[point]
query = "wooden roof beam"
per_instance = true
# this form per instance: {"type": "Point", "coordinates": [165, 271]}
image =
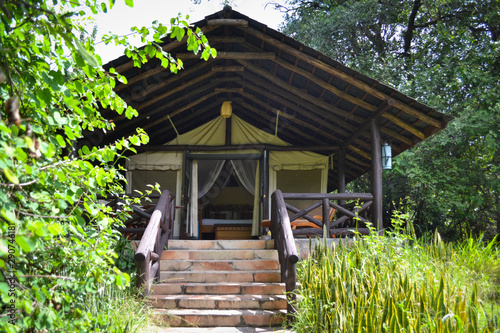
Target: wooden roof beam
{"type": "Point", "coordinates": [278, 94]}
{"type": "Point", "coordinates": [228, 69]}
{"type": "Point", "coordinates": [366, 124]}
{"type": "Point", "coordinates": [158, 70]}
{"type": "Point", "coordinates": [202, 99]}
{"type": "Point", "coordinates": [226, 39]}
{"type": "Point", "coordinates": [239, 147]}
{"type": "Point", "coordinates": [299, 92]}
{"type": "Point", "coordinates": [227, 22]}
{"type": "Point", "coordinates": [346, 77]}
{"type": "Point", "coordinates": [171, 103]}
{"type": "Point", "coordinates": [271, 119]}
{"type": "Point", "coordinates": [232, 55]}
{"type": "Point", "coordinates": [325, 85]}
{"type": "Point", "coordinates": [187, 119]}
{"type": "Point", "coordinates": [293, 119]}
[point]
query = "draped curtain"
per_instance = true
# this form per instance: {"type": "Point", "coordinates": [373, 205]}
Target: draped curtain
{"type": "Point", "coordinates": [208, 174]}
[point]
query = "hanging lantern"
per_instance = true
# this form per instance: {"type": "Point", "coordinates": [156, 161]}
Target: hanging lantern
{"type": "Point", "coordinates": [386, 156]}
{"type": "Point", "coordinates": [226, 109]}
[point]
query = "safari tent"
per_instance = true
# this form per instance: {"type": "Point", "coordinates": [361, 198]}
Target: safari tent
{"type": "Point", "coordinates": [267, 113]}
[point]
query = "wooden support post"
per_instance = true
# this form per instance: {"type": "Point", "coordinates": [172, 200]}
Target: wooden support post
{"type": "Point", "coordinates": [376, 175]}
{"type": "Point", "coordinates": [341, 173]}
{"type": "Point", "coordinates": [265, 187]}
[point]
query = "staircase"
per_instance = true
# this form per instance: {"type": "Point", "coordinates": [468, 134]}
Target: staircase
{"type": "Point", "coordinates": [228, 283]}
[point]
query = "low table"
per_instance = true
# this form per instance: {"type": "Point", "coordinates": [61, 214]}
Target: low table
{"type": "Point", "coordinates": [233, 231]}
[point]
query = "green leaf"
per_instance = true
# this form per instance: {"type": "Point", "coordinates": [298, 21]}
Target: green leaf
{"type": "Point", "coordinates": [55, 229]}
{"type": "Point", "coordinates": [11, 176]}
{"type": "Point", "coordinates": [60, 140]}
{"type": "Point", "coordinates": [86, 55]}
{"type": "Point", "coordinates": [129, 3]}
{"type": "Point", "coordinates": [25, 243]}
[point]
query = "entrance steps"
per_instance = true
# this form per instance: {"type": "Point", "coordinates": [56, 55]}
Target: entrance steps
{"type": "Point", "coordinates": [221, 283]}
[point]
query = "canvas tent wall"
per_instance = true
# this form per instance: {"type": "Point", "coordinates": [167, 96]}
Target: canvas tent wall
{"type": "Point", "coordinates": [299, 170]}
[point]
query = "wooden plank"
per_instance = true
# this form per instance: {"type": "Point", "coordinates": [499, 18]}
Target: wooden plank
{"type": "Point", "coordinates": [228, 68]}
{"type": "Point", "coordinates": [226, 39]}
{"type": "Point", "coordinates": [404, 125]}
{"type": "Point", "coordinates": [228, 22]}
{"type": "Point", "coordinates": [232, 55]}
{"type": "Point", "coordinates": [238, 147]}
{"type": "Point", "coordinates": [229, 90]}
{"type": "Point", "coordinates": [330, 196]}
{"type": "Point", "coordinates": [360, 152]}
{"type": "Point", "coordinates": [344, 76]}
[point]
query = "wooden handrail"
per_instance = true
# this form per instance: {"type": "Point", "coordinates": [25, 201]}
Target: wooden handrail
{"type": "Point", "coordinates": [155, 238]}
{"type": "Point", "coordinates": [325, 200]}
{"type": "Point", "coordinates": [284, 242]}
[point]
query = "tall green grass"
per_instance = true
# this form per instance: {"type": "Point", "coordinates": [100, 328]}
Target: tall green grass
{"type": "Point", "coordinates": [120, 311]}
{"type": "Point", "coordinates": [397, 283]}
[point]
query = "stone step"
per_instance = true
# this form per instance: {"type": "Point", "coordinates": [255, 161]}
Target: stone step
{"type": "Point", "coordinates": [177, 244]}
{"type": "Point", "coordinates": [220, 255]}
{"type": "Point", "coordinates": [214, 302]}
{"type": "Point", "coordinates": [217, 265]}
{"type": "Point", "coordinates": [220, 276]}
{"type": "Point", "coordinates": [218, 288]}
{"type": "Point", "coordinates": [218, 318]}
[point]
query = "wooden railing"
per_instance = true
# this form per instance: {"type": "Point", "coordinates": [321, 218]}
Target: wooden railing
{"type": "Point", "coordinates": [284, 242]}
{"type": "Point", "coordinates": [349, 218]}
{"type": "Point", "coordinates": [154, 239]}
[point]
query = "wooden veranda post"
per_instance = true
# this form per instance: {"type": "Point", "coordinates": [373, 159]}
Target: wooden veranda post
{"type": "Point", "coordinates": [376, 175]}
{"type": "Point", "coordinates": [341, 173]}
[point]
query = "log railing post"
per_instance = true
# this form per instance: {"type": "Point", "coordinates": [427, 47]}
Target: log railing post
{"type": "Point", "coordinates": [155, 237]}
{"type": "Point", "coordinates": [284, 242]}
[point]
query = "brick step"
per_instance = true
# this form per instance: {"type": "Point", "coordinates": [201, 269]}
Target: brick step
{"type": "Point", "coordinates": [220, 276]}
{"type": "Point", "coordinates": [218, 288]}
{"type": "Point", "coordinates": [217, 265]}
{"type": "Point", "coordinates": [214, 302]}
{"type": "Point", "coordinates": [220, 255]}
{"type": "Point", "coordinates": [177, 244]}
{"type": "Point", "coordinates": [218, 318]}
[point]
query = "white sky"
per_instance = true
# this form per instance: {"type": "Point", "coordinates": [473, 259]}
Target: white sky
{"type": "Point", "coordinates": [121, 18]}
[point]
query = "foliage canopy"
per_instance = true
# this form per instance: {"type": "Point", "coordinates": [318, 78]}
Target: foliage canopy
{"type": "Point", "coordinates": [444, 53]}
{"type": "Point", "coordinates": [57, 240]}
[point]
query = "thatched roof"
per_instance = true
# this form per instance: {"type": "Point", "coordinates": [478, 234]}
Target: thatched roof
{"type": "Point", "coordinates": [320, 102]}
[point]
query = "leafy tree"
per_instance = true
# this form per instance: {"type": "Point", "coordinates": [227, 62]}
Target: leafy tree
{"type": "Point", "coordinates": [57, 240]}
{"type": "Point", "coordinates": [445, 53]}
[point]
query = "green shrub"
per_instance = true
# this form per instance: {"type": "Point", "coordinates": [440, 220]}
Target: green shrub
{"type": "Point", "coordinates": [397, 283]}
